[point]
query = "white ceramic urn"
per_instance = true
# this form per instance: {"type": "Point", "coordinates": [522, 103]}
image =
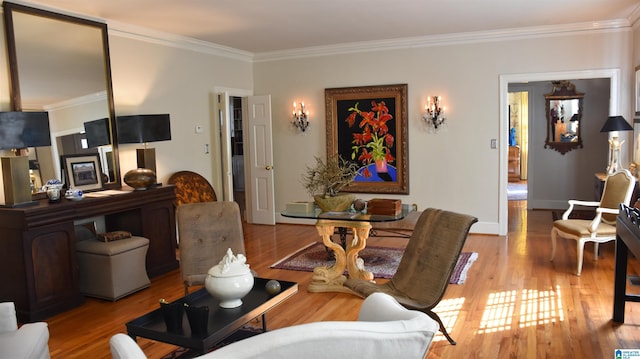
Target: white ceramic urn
{"type": "Point", "coordinates": [230, 280]}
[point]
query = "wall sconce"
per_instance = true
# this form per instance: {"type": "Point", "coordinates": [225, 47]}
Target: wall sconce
{"type": "Point", "coordinates": [434, 115]}
{"type": "Point", "coordinates": [300, 118]}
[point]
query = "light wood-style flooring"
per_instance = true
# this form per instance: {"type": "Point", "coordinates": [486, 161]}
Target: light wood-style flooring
{"type": "Point", "coordinates": [514, 304]}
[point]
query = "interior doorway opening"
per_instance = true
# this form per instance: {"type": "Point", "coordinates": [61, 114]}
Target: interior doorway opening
{"type": "Point", "coordinates": [237, 151]}
{"type": "Point", "coordinates": [517, 165]}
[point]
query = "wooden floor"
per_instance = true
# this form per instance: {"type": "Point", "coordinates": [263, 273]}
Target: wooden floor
{"type": "Point", "coordinates": [515, 303]}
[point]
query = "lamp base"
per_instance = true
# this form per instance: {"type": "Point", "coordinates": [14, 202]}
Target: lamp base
{"type": "Point", "coordinates": [146, 158]}
{"type": "Point", "coordinates": [17, 185]}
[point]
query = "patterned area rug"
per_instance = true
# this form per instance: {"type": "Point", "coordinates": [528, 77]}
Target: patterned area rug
{"type": "Point", "coordinates": [380, 261]}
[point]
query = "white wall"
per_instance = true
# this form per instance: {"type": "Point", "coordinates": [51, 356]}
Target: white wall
{"type": "Point", "coordinates": [455, 170]}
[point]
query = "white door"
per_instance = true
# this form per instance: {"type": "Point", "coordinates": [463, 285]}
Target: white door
{"type": "Point", "coordinates": [256, 113]}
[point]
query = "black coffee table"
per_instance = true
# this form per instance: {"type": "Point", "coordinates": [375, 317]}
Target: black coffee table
{"type": "Point", "coordinates": [222, 322]}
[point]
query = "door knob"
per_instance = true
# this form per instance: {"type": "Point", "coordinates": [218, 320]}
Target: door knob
{"type": "Point", "coordinates": [268, 168]}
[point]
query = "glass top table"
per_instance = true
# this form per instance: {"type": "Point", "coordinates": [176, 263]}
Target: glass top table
{"type": "Point", "coordinates": [353, 216]}
{"type": "Point", "coordinates": [330, 278]}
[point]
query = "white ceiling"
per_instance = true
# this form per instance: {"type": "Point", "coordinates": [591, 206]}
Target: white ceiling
{"type": "Point", "coordinates": [260, 26]}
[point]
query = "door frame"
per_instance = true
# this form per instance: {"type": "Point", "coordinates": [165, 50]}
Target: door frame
{"type": "Point", "coordinates": [225, 153]}
{"type": "Point", "coordinates": [615, 108]}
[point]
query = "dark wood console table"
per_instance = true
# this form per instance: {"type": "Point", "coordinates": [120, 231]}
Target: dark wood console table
{"type": "Point", "coordinates": [627, 239]}
{"type": "Point", "coordinates": [38, 265]}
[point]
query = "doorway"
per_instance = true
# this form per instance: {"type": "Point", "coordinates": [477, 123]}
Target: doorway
{"type": "Point", "coordinates": [517, 166]}
{"type": "Point", "coordinates": [237, 152]}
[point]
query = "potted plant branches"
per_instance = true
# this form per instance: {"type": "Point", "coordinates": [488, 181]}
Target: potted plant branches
{"type": "Point", "coordinates": [325, 180]}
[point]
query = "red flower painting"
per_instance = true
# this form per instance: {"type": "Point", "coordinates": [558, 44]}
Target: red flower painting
{"type": "Point", "coordinates": [373, 142]}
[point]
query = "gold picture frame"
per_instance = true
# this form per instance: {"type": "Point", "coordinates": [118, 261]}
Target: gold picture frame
{"type": "Point", "coordinates": [368, 126]}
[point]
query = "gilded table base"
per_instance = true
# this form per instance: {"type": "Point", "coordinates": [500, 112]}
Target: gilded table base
{"type": "Point", "coordinates": [331, 278]}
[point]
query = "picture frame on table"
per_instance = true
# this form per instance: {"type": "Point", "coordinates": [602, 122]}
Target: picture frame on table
{"type": "Point", "coordinates": [368, 125]}
{"type": "Point", "coordinates": [82, 172]}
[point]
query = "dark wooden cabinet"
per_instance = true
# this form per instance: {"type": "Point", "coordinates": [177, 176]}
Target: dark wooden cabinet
{"type": "Point", "coordinates": [38, 265]}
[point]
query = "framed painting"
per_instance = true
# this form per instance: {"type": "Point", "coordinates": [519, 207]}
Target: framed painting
{"type": "Point", "coordinates": [368, 126]}
{"type": "Point", "coordinates": [82, 172]}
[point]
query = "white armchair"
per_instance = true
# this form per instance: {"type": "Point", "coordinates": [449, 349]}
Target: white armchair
{"type": "Point", "coordinates": [30, 341]}
{"type": "Point", "coordinates": [385, 329]}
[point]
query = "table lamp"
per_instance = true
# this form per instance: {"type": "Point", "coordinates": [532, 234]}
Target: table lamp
{"type": "Point", "coordinates": [19, 131]}
{"type": "Point", "coordinates": [144, 129]}
{"type": "Point", "coordinates": [613, 125]}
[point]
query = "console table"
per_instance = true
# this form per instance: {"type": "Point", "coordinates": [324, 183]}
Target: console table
{"type": "Point", "coordinates": [38, 264]}
{"type": "Point", "coordinates": [627, 239]}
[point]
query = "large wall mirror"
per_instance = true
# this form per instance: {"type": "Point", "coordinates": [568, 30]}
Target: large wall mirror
{"type": "Point", "coordinates": [60, 64]}
{"type": "Point", "coordinates": [563, 108]}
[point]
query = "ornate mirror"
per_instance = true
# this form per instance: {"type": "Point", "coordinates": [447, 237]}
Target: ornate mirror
{"type": "Point", "coordinates": [563, 108]}
{"type": "Point", "coordinates": [60, 64]}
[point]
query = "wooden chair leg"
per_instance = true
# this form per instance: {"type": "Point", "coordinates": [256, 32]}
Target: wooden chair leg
{"type": "Point", "coordinates": [435, 317]}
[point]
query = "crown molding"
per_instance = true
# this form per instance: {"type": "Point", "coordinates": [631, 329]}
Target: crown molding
{"type": "Point", "coordinates": [166, 39]}
{"type": "Point", "coordinates": [82, 100]}
{"type": "Point", "coordinates": [447, 39]}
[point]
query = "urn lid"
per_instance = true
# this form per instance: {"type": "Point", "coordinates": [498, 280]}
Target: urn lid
{"type": "Point", "coordinates": [230, 266]}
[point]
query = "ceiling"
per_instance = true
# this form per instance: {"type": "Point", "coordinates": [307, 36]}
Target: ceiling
{"type": "Point", "coordinates": [279, 25]}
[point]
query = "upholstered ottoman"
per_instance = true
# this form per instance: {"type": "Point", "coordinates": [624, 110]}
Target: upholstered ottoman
{"type": "Point", "coordinates": [111, 270]}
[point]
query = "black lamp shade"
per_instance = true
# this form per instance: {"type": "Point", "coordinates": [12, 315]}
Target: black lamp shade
{"type": "Point", "coordinates": [143, 128]}
{"type": "Point", "coordinates": [616, 123]}
{"type": "Point", "coordinates": [24, 129]}
{"type": "Point", "coordinates": [97, 132]}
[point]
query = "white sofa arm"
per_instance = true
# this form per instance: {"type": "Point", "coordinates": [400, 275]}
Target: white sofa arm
{"type": "Point", "coordinates": [8, 321]}
{"type": "Point", "coordinates": [123, 347]}
{"type": "Point", "coordinates": [384, 330]}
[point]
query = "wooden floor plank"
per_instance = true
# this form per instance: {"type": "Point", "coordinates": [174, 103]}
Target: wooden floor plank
{"type": "Point", "coordinates": [514, 304]}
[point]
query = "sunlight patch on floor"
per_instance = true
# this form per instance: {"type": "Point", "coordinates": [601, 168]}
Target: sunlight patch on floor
{"type": "Point", "coordinates": [540, 307]}
{"type": "Point", "coordinates": [498, 314]}
{"type": "Point", "coordinates": [536, 307]}
{"type": "Point", "coordinates": [448, 311]}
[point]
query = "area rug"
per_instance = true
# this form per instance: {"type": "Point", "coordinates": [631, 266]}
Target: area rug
{"type": "Point", "coordinates": [516, 191]}
{"type": "Point", "coordinates": [380, 261]}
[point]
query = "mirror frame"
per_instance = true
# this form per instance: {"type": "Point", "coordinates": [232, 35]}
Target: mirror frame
{"type": "Point", "coordinates": [16, 99]}
{"type": "Point", "coordinates": [563, 90]}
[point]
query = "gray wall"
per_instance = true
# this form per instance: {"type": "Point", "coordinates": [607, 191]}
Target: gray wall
{"type": "Point", "coordinates": [553, 177]}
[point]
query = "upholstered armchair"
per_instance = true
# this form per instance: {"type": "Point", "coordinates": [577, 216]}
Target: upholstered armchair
{"type": "Point", "coordinates": [30, 341]}
{"type": "Point", "coordinates": [385, 329]}
{"type": "Point", "coordinates": [206, 230]}
{"type": "Point", "coordinates": [618, 189]}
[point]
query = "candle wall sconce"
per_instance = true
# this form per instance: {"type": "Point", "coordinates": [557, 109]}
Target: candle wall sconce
{"type": "Point", "coordinates": [300, 117]}
{"type": "Point", "coordinates": [434, 115]}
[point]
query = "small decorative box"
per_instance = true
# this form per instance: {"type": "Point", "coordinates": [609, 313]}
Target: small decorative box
{"type": "Point", "coordinates": [300, 207]}
{"type": "Point", "coordinates": [387, 207]}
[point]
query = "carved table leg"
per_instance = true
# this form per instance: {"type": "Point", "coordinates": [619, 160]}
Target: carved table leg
{"type": "Point", "coordinates": [355, 264]}
{"type": "Point", "coordinates": [325, 278]}
{"type": "Point", "coordinates": [331, 279]}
